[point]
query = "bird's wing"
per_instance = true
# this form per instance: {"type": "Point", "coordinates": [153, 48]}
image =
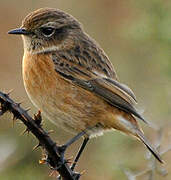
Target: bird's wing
{"type": "Point", "coordinates": [88, 56]}
{"type": "Point", "coordinates": [113, 92]}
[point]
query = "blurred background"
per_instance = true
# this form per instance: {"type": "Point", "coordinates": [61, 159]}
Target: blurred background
{"type": "Point", "coordinates": [136, 35]}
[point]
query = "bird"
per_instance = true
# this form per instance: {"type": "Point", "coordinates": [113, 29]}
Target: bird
{"type": "Point", "coordinates": [70, 78]}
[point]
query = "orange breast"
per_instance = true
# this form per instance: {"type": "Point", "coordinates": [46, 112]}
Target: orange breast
{"type": "Point", "coordinates": [65, 104]}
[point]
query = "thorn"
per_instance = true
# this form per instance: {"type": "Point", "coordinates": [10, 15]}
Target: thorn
{"type": "Point", "coordinates": [38, 118]}
{"type": "Point", "coordinates": [25, 131]}
{"type": "Point", "coordinates": [19, 103]}
{"type": "Point", "coordinates": [28, 109]}
{"type": "Point", "coordinates": [37, 146]}
{"type": "Point", "coordinates": [42, 161]}
{"type": "Point", "coordinates": [82, 172]}
{"type": "Point", "coordinates": [20, 122]}
{"type": "Point", "coordinates": [54, 174]}
{"type": "Point", "coordinates": [9, 92]}
{"type": "Point", "coordinates": [14, 119]}
{"type": "Point", "coordinates": [50, 132]}
{"type": "Point", "coordinates": [15, 116]}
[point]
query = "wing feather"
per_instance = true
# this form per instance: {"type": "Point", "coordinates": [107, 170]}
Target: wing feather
{"type": "Point", "coordinates": [110, 90]}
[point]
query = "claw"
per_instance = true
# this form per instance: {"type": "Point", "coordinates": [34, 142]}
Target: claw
{"type": "Point", "coordinates": [76, 176]}
{"type": "Point", "coordinates": [61, 150]}
{"type": "Point", "coordinates": [69, 160]}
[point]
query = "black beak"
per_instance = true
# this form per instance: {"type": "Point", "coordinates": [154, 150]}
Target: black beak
{"type": "Point", "coordinates": [19, 31]}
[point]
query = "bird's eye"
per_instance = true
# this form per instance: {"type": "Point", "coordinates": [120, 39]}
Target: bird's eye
{"type": "Point", "coordinates": [47, 32]}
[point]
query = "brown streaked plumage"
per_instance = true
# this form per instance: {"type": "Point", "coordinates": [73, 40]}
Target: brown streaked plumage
{"type": "Point", "coordinates": [70, 78]}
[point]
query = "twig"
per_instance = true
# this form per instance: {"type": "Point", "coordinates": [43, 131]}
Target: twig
{"type": "Point", "coordinates": [34, 126]}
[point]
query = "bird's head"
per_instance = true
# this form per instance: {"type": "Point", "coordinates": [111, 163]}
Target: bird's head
{"type": "Point", "coordinates": [48, 29]}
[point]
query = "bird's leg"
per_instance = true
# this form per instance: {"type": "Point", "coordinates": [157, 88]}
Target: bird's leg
{"type": "Point", "coordinates": [63, 148]}
{"type": "Point", "coordinates": [79, 153]}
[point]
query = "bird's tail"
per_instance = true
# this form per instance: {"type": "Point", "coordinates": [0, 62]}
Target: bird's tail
{"type": "Point", "coordinates": [128, 124]}
{"type": "Point", "coordinates": [149, 146]}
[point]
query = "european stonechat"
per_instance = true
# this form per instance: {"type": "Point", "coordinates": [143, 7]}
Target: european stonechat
{"type": "Point", "coordinates": [70, 78]}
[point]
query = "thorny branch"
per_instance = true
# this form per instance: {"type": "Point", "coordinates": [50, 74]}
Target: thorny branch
{"type": "Point", "coordinates": [152, 166]}
{"type": "Point", "coordinates": [33, 125]}
{"type": "Point", "coordinates": [53, 158]}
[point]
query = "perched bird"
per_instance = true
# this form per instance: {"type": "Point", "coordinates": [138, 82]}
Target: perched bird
{"type": "Point", "coordinates": [70, 78]}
